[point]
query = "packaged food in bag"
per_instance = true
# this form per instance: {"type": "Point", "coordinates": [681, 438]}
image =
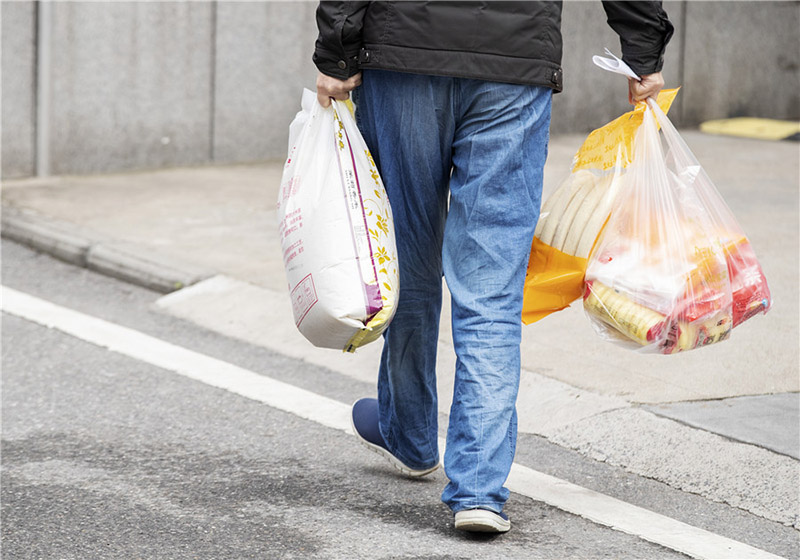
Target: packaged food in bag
{"type": "Point", "coordinates": [336, 231]}
{"type": "Point", "coordinates": [749, 287]}
{"type": "Point", "coordinates": [671, 270]}
{"type": "Point", "coordinates": [574, 214]}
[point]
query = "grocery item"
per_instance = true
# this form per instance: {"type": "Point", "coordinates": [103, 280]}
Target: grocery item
{"type": "Point", "coordinates": [671, 270]}
{"type": "Point", "coordinates": [588, 208]}
{"type": "Point", "coordinates": [751, 294]}
{"type": "Point", "coordinates": [565, 222]}
{"type": "Point", "coordinates": [597, 215]}
{"type": "Point", "coordinates": [631, 319]}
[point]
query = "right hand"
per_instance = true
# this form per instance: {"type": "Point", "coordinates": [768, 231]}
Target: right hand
{"type": "Point", "coordinates": [649, 86]}
{"type": "Point", "coordinates": [328, 86]}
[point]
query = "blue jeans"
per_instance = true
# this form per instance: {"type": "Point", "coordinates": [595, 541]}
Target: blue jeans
{"type": "Point", "coordinates": [484, 144]}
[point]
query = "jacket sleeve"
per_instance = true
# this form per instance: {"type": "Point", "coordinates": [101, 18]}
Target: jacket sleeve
{"type": "Point", "coordinates": [340, 27]}
{"type": "Point", "coordinates": [644, 31]}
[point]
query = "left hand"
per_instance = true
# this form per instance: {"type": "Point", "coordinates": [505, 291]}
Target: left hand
{"type": "Point", "coordinates": [650, 85]}
{"type": "Point", "coordinates": [328, 86]}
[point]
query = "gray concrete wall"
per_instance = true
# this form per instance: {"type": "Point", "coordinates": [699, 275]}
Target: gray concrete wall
{"type": "Point", "coordinates": [263, 60]}
{"type": "Point", "coordinates": [18, 28]}
{"type": "Point", "coordinates": [730, 58]}
{"type": "Point", "coordinates": [592, 97]}
{"type": "Point", "coordinates": [130, 85]}
{"type": "Point", "coordinates": [741, 59]}
{"type": "Point", "coordinates": [157, 84]}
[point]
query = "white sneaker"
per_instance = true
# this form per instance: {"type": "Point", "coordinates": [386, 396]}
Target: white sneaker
{"type": "Point", "coordinates": [482, 521]}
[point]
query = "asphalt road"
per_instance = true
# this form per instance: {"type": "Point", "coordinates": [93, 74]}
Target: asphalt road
{"type": "Point", "coordinates": [105, 456]}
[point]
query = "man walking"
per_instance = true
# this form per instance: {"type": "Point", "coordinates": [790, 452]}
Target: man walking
{"type": "Point", "coordinates": [453, 100]}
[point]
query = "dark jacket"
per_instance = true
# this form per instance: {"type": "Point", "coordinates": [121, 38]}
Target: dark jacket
{"type": "Point", "coordinates": [517, 42]}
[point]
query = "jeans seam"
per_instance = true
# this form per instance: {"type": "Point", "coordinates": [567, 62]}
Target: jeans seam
{"type": "Point", "coordinates": [432, 449]}
{"type": "Point", "coordinates": [480, 455]}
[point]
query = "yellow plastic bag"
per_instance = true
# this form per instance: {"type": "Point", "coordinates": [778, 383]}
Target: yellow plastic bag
{"type": "Point", "coordinates": [574, 215]}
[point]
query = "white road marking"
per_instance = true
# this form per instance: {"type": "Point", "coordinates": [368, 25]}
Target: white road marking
{"type": "Point", "coordinates": [188, 363]}
{"type": "Point", "coordinates": [561, 494]}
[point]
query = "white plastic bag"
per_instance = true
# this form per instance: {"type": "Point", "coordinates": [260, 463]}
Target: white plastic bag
{"type": "Point", "coordinates": [336, 231]}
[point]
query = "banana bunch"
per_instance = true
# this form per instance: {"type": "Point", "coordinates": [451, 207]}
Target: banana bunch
{"type": "Point", "coordinates": [572, 217]}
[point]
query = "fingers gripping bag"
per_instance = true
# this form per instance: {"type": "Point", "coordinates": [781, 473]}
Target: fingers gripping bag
{"type": "Point", "coordinates": [336, 231]}
{"type": "Point", "coordinates": [574, 214]}
{"type": "Point", "coordinates": [671, 270]}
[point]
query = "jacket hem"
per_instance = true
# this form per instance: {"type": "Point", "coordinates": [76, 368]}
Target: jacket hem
{"type": "Point", "coordinates": [479, 66]}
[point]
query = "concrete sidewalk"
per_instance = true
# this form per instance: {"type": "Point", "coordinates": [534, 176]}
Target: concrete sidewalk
{"type": "Point", "coordinates": [210, 234]}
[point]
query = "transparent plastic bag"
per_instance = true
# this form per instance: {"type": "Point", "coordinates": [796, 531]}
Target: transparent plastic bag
{"type": "Point", "coordinates": [574, 214]}
{"type": "Point", "coordinates": [749, 287]}
{"type": "Point", "coordinates": [672, 270]}
{"type": "Point", "coordinates": [336, 230]}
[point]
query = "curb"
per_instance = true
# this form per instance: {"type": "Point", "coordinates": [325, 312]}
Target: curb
{"type": "Point", "coordinates": [83, 247]}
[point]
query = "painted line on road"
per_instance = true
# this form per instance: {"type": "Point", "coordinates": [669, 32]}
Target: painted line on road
{"type": "Point", "coordinates": [594, 506]}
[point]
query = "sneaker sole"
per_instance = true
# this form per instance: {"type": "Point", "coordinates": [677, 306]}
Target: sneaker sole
{"type": "Point", "coordinates": [396, 463]}
{"type": "Point", "coordinates": [481, 521]}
